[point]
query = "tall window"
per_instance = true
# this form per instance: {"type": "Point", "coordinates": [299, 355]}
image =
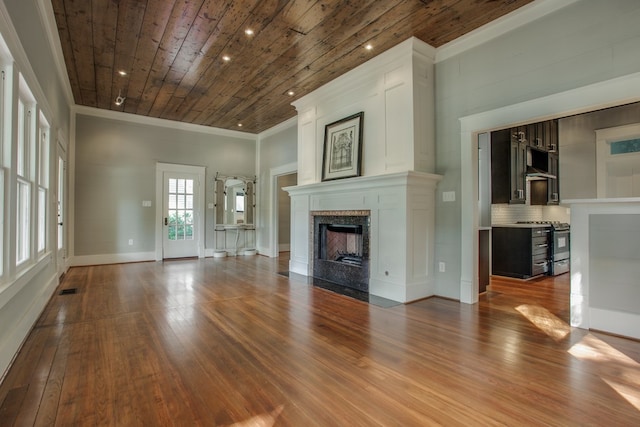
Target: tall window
{"type": "Point", "coordinates": [23, 195]}
{"type": "Point", "coordinates": [25, 174]}
{"type": "Point", "coordinates": [43, 182]}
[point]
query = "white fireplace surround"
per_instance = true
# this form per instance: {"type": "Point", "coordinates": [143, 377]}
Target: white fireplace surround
{"type": "Point", "coordinates": [401, 230]}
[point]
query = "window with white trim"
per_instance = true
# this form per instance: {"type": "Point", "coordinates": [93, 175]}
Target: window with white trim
{"type": "Point", "coordinates": [24, 175]}
{"type": "Point", "coordinates": [43, 182]}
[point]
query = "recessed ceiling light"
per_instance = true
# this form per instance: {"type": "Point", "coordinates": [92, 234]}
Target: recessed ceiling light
{"type": "Point", "coordinates": [291, 93]}
{"type": "Point", "coordinates": [122, 72]}
{"type": "Point", "coordinates": [248, 32]}
{"type": "Point", "coordinates": [239, 125]}
{"type": "Point", "coordinates": [368, 46]}
{"type": "Point", "coordinates": [226, 58]}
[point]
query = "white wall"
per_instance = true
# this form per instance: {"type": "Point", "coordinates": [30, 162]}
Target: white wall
{"type": "Point", "coordinates": [587, 42]}
{"type": "Point", "coordinates": [277, 154]}
{"type": "Point", "coordinates": [25, 291]}
{"type": "Point", "coordinates": [578, 149]}
{"type": "Point", "coordinates": [116, 171]}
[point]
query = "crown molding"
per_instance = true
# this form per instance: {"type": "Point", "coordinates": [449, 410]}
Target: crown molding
{"type": "Point", "coordinates": [498, 27]}
{"type": "Point", "coordinates": [45, 10]}
{"type": "Point", "coordinates": [154, 121]}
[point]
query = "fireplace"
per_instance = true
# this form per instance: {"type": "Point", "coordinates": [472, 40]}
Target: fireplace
{"type": "Point", "coordinates": [341, 248]}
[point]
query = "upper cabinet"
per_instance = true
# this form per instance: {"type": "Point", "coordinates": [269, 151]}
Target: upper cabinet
{"type": "Point", "coordinates": [508, 167]}
{"type": "Point", "coordinates": [521, 153]}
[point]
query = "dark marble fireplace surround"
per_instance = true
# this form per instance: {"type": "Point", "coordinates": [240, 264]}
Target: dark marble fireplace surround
{"type": "Point", "coordinates": [353, 275]}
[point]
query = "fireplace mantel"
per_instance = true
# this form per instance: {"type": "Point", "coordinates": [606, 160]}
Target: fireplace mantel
{"type": "Point", "coordinates": [401, 232]}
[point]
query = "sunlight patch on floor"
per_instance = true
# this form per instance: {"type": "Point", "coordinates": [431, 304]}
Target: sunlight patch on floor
{"type": "Point", "coordinates": [544, 320]}
{"type": "Point", "coordinates": [619, 371]}
{"type": "Point", "coordinates": [265, 420]}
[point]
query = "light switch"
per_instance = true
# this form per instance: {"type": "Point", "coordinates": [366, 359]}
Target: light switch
{"type": "Point", "coordinates": [146, 203]}
{"type": "Point", "coordinates": [448, 196]}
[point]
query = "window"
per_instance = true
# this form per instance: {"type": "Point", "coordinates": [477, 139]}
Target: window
{"type": "Point", "coordinates": [22, 221]}
{"type": "Point", "coordinates": [43, 182]}
{"type": "Point", "coordinates": [26, 157]}
{"type": "Point", "coordinates": [180, 220]}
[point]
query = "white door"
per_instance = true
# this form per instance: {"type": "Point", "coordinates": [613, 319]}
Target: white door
{"type": "Point", "coordinates": [181, 228]}
{"type": "Point", "coordinates": [61, 196]}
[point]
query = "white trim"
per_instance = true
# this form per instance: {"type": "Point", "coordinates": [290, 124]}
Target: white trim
{"type": "Point", "coordinates": [21, 59]}
{"type": "Point", "coordinates": [200, 171]}
{"type": "Point", "coordinates": [61, 149]}
{"type": "Point", "coordinates": [10, 290]}
{"type": "Point", "coordinates": [615, 322]}
{"type": "Point", "coordinates": [588, 98]}
{"type": "Point", "coordinates": [47, 16]}
{"type": "Point", "coordinates": [498, 27]}
{"type": "Point", "coordinates": [154, 121]}
{"type": "Point", "coordinates": [12, 343]}
{"type": "Point", "coordinates": [103, 259]}
{"type": "Point", "coordinates": [274, 173]}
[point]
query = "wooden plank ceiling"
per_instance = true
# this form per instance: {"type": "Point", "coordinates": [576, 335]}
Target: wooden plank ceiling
{"type": "Point", "coordinates": [173, 51]}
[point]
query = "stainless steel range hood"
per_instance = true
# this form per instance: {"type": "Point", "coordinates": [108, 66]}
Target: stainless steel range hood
{"type": "Point", "coordinates": [536, 174]}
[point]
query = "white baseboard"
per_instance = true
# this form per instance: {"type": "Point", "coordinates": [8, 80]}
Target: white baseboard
{"type": "Point", "coordinates": [615, 322]}
{"type": "Point", "coordinates": [112, 258]}
{"type": "Point", "coordinates": [284, 247]}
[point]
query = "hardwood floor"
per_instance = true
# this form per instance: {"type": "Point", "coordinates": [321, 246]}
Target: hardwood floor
{"type": "Point", "coordinates": [228, 340]}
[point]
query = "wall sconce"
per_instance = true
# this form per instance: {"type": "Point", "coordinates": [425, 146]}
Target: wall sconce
{"type": "Point", "coordinates": [120, 99]}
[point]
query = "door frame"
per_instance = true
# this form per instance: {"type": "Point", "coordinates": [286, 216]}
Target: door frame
{"type": "Point", "coordinates": [607, 93]}
{"type": "Point", "coordinates": [274, 173]}
{"type": "Point", "coordinates": [200, 172]}
{"type": "Point", "coordinates": [61, 254]}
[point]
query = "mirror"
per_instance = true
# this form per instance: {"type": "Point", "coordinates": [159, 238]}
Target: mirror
{"type": "Point", "coordinates": [234, 198]}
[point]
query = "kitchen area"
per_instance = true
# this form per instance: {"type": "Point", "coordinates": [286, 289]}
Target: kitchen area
{"type": "Point", "coordinates": [559, 204]}
{"type": "Point", "coordinates": [527, 173]}
{"type": "Point", "coordinates": [526, 231]}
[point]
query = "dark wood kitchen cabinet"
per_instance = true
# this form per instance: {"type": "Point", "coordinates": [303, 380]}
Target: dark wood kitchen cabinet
{"type": "Point", "coordinates": [553, 189]}
{"type": "Point", "coordinates": [520, 252]}
{"type": "Point", "coordinates": [543, 136]}
{"type": "Point", "coordinates": [508, 167]}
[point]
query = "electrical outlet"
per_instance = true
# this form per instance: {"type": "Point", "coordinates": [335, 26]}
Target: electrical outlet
{"type": "Point", "coordinates": [442, 266]}
{"type": "Point", "coordinates": [130, 242]}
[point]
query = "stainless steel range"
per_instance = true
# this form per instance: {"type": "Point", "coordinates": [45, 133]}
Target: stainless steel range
{"type": "Point", "coordinates": [559, 245]}
{"type": "Point", "coordinates": [560, 248]}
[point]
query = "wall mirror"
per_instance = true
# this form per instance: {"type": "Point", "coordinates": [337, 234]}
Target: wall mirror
{"type": "Point", "coordinates": [234, 199]}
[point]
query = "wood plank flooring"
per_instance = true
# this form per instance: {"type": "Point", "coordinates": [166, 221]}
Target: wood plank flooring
{"type": "Point", "coordinates": [221, 341]}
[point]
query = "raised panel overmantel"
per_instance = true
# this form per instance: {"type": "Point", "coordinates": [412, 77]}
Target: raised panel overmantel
{"type": "Point", "coordinates": [401, 229]}
{"type": "Point", "coordinates": [395, 90]}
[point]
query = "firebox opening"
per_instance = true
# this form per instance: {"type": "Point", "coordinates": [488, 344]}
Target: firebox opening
{"type": "Point", "coordinates": [341, 243]}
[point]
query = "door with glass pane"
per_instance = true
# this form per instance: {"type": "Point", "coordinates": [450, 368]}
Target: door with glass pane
{"type": "Point", "coordinates": [180, 222]}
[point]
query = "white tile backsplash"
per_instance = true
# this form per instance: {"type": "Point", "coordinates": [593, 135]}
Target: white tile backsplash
{"type": "Point", "coordinates": [509, 214]}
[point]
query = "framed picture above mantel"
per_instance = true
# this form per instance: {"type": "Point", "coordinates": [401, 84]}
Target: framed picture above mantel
{"type": "Point", "coordinates": [343, 148]}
